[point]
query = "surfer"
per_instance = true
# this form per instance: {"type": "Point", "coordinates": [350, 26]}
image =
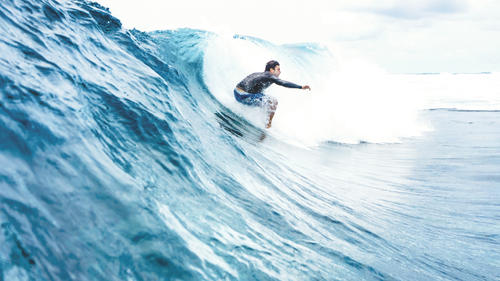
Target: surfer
{"type": "Point", "coordinates": [249, 90]}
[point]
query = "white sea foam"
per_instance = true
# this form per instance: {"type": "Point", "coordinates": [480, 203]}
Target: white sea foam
{"type": "Point", "coordinates": [351, 100]}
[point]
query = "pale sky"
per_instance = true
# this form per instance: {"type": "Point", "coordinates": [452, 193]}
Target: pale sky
{"type": "Point", "coordinates": [401, 36]}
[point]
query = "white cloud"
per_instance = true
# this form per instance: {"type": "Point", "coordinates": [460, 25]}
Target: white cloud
{"type": "Point", "coordinates": [401, 36]}
{"type": "Point", "coordinates": [414, 9]}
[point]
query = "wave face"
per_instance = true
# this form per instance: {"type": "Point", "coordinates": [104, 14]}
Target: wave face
{"type": "Point", "coordinates": [124, 157]}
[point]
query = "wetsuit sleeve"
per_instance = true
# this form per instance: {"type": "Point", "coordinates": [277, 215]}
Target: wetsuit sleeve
{"type": "Point", "coordinates": [286, 83]}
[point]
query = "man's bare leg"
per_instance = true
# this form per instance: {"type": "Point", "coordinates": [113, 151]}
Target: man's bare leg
{"type": "Point", "coordinates": [273, 104]}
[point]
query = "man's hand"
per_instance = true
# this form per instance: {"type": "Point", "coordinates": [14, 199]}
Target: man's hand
{"type": "Point", "coordinates": [306, 87]}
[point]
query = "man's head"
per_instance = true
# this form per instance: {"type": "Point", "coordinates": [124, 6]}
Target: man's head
{"type": "Point", "coordinates": [273, 67]}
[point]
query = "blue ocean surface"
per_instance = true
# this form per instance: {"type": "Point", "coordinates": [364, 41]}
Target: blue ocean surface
{"type": "Point", "coordinates": [120, 160]}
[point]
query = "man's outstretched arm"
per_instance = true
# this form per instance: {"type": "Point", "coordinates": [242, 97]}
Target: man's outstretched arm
{"type": "Point", "coordinates": [290, 84]}
{"type": "Point", "coordinates": [286, 83]}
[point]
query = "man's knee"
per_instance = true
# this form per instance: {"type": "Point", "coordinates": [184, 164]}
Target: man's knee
{"type": "Point", "coordinates": [273, 103]}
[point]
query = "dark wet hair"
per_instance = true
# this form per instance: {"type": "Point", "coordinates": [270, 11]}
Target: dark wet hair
{"type": "Point", "coordinates": [271, 65]}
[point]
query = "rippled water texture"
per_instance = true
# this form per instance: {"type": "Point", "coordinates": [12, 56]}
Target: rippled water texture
{"type": "Point", "coordinates": [117, 162]}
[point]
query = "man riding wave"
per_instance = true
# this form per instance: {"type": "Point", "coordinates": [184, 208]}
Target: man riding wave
{"type": "Point", "coordinates": [249, 90]}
